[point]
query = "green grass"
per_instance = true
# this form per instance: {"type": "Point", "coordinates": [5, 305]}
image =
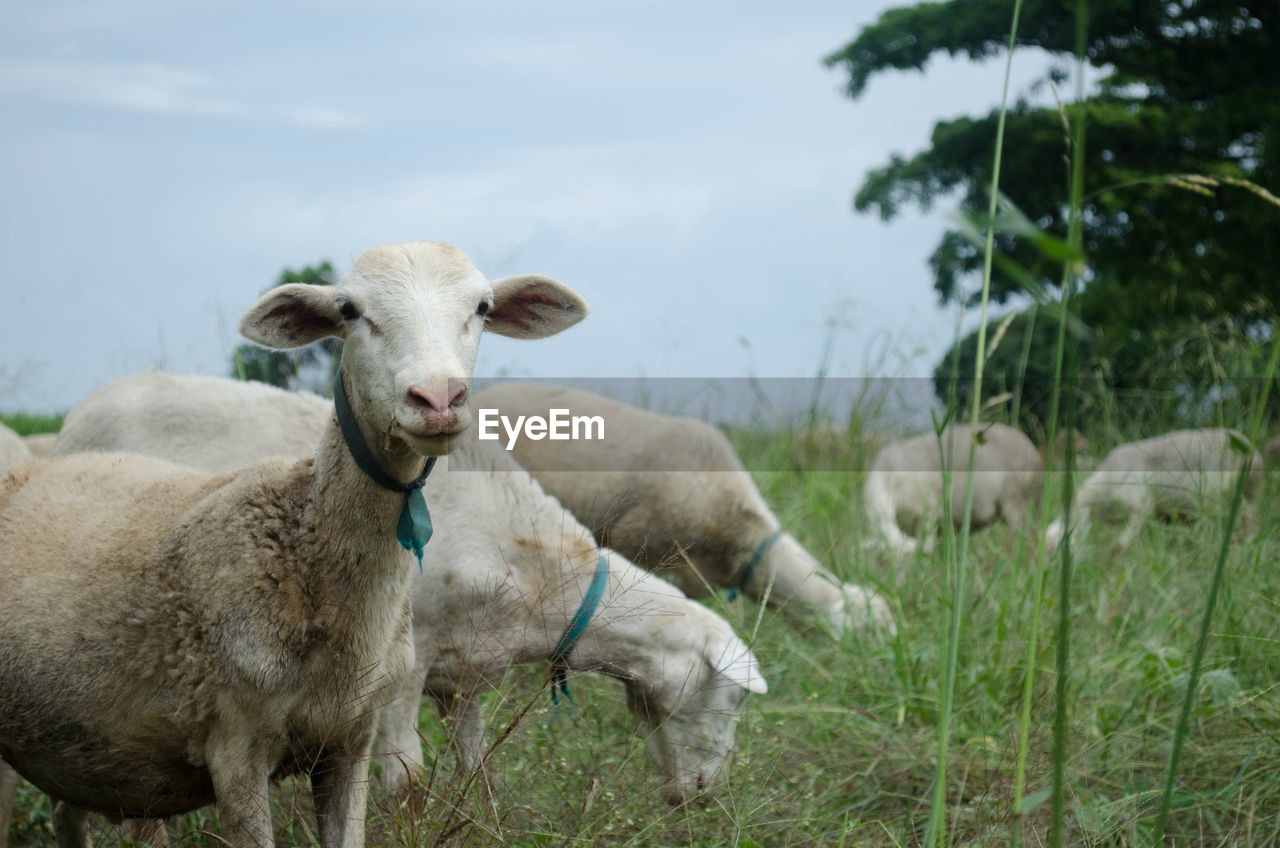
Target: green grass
{"type": "Point", "coordinates": [842, 748]}
{"type": "Point", "coordinates": [25, 424]}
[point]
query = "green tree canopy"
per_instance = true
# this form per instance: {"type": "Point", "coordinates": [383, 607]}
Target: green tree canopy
{"type": "Point", "coordinates": [311, 368]}
{"type": "Point", "coordinates": [1190, 87]}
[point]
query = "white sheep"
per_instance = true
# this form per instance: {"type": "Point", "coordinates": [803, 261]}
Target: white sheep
{"type": "Point", "coordinates": [903, 491]}
{"type": "Point", "coordinates": [13, 449]}
{"type": "Point", "coordinates": [1169, 476]}
{"type": "Point", "coordinates": [172, 637]}
{"type": "Point", "coordinates": [40, 443]}
{"type": "Point", "coordinates": [503, 573]}
{"type": "Point", "coordinates": [511, 570]}
{"type": "Point", "coordinates": [671, 494]}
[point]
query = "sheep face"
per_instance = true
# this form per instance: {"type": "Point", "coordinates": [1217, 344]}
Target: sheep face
{"type": "Point", "coordinates": [410, 316]}
{"type": "Point", "coordinates": [690, 706]}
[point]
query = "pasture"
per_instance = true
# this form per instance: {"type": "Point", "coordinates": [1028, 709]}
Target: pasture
{"type": "Point", "coordinates": [842, 750]}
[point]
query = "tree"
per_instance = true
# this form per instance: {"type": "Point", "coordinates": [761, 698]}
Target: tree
{"type": "Point", "coordinates": [1192, 88]}
{"type": "Point", "coordinates": [312, 367]}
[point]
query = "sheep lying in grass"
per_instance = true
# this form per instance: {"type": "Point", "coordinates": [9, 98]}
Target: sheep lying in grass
{"type": "Point", "coordinates": [505, 570]}
{"type": "Point", "coordinates": [1169, 476]}
{"type": "Point", "coordinates": [13, 449]}
{"type": "Point", "coordinates": [903, 489]}
{"type": "Point", "coordinates": [671, 494]}
{"type": "Point", "coordinates": [170, 637]}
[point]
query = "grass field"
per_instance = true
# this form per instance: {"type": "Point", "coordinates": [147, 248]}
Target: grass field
{"type": "Point", "coordinates": [842, 749]}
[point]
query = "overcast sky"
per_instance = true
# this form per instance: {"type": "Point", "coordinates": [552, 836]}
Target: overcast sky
{"type": "Point", "coordinates": [688, 167]}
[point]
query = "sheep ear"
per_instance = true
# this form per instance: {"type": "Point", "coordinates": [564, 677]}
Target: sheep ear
{"type": "Point", "coordinates": [733, 659]}
{"type": "Point", "coordinates": [531, 306]}
{"type": "Point", "coordinates": [292, 315]}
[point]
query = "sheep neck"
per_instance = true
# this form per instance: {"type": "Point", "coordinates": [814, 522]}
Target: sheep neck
{"type": "Point", "coordinates": [413, 525]}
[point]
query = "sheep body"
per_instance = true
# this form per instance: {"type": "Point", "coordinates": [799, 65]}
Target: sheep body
{"type": "Point", "coordinates": [903, 489]}
{"type": "Point", "coordinates": [1170, 476]}
{"type": "Point", "coordinates": [698, 523]}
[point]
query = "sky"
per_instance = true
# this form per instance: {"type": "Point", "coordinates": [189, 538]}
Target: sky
{"type": "Point", "coordinates": [688, 168]}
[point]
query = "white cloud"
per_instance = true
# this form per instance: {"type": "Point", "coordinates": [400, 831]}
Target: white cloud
{"type": "Point", "coordinates": [152, 87]}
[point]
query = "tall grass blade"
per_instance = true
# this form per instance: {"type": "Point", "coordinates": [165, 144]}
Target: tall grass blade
{"type": "Point", "coordinates": [935, 833]}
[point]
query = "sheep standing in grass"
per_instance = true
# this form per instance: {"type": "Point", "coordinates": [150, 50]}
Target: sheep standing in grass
{"type": "Point", "coordinates": [903, 490]}
{"type": "Point", "coordinates": [1169, 476]}
{"type": "Point", "coordinates": [170, 637]}
{"type": "Point", "coordinates": [505, 571]}
{"type": "Point", "coordinates": [671, 494]}
{"type": "Point", "coordinates": [40, 443]}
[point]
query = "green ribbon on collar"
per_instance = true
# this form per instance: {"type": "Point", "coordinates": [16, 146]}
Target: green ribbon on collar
{"type": "Point", "coordinates": [756, 558]}
{"type": "Point", "coordinates": [413, 530]}
{"type": "Point", "coordinates": [577, 626]}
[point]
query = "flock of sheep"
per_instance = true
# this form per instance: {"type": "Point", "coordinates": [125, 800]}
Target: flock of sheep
{"type": "Point", "coordinates": [212, 584]}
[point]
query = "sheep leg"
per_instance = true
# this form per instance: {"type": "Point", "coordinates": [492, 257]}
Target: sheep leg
{"type": "Point", "coordinates": [8, 789]}
{"type": "Point", "coordinates": [240, 785]}
{"type": "Point", "coordinates": [70, 825]}
{"type": "Point", "coordinates": [340, 792]}
{"type": "Point", "coordinates": [1140, 503]}
{"type": "Point", "coordinates": [149, 832]}
{"type": "Point", "coordinates": [467, 731]}
{"type": "Point", "coordinates": [399, 750]}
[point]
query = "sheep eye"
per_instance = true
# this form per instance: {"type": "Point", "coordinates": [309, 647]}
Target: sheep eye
{"type": "Point", "coordinates": [483, 308]}
{"type": "Point", "coordinates": [349, 311]}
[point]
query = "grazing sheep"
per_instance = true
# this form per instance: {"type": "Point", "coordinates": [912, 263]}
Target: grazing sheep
{"type": "Point", "coordinates": [13, 449]}
{"type": "Point", "coordinates": [512, 569]}
{"type": "Point", "coordinates": [1170, 476]}
{"type": "Point", "coordinates": [671, 494]}
{"type": "Point", "coordinates": [40, 443]}
{"type": "Point", "coordinates": [170, 637]}
{"type": "Point", "coordinates": [505, 570]}
{"type": "Point", "coordinates": [903, 489]}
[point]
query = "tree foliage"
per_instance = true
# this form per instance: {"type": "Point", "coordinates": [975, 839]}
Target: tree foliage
{"type": "Point", "coordinates": [1190, 87]}
{"type": "Point", "coordinates": [310, 368]}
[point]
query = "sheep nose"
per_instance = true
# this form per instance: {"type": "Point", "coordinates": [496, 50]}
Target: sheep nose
{"type": "Point", "coordinates": [430, 401]}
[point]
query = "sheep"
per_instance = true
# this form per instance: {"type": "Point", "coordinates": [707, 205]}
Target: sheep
{"type": "Point", "coordinates": [171, 637]}
{"type": "Point", "coordinates": [903, 489]}
{"type": "Point", "coordinates": [40, 443]}
{"type": "Point", "coordinates": [527, 567]}
{"type": "Point", "coordinates": [504, 571]}
{"type": "Point", "coordinates": [13, 449]}
{"type": "Point", "coordinates": [701, 524]}
{"type": "Point", "coordinates": [1170, 476]}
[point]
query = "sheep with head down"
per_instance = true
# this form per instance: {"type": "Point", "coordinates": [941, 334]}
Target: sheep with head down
{"type": "Point", "coordinates": [671, 494]}
{"type": "Point", "coordinates": [506, 569]}
{"type": "Point", "coordinates": [903, 491]}
{"type": "Point", "coordinates": [1174, 475]}
{"type": "Point", "coordinates": [213, 631]}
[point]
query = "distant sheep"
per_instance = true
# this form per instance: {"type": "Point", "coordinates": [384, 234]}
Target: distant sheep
{"type": "Point", "coordinates": [172, 637]}
{"type": "Point", "coordinates": [1168, 476]}
{"type": "Point", "coordinates": [903, 490]}
{"type": "Point", "coordinates": [671, 494]}
{"type": "Point", "coordinates": [505, 569]}
{"type": "Point", "coordinates": [40, 443]}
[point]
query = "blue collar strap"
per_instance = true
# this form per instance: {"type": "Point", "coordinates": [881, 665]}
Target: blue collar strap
{"type": "Point", "coordinates": [413, 530]}
{"type": "Point", "coordinates": [577, 626]}
{"type": "Point", "coordinates": [756, 559]}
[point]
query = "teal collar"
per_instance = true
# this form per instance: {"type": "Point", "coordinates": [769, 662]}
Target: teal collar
{"type": "Point", "coordinates": [577, 626]}
{"type": "Point", "coordinates": [413, 530]}
{"type": "Point", "coordinates": [756, 559]}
